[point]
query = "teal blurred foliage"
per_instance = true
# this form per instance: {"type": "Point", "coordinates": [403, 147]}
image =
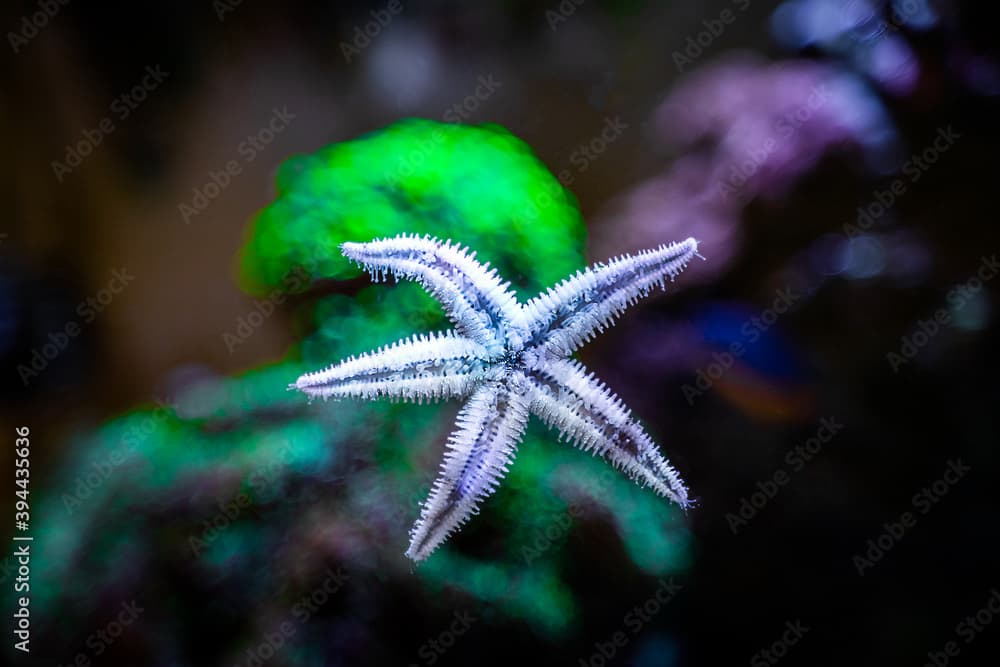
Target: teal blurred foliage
{"type": "Point", "coordinates": [241, 484]}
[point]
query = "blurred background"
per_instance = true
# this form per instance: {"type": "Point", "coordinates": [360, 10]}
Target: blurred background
{"type": "Point", "coordinates": [825, 381]}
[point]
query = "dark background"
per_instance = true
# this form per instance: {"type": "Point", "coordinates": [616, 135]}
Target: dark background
{"type": "Point", "coordinates": [827, 357]}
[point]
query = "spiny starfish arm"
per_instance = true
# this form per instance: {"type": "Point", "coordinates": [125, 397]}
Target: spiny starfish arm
{"type": "Point", "coordinates": [490, 425]}
{"type": "Point", "coordinates": [473, 295]}
{"type": "Point", "coordinates": [591, 416]}
{"type": "Point", "coordinates": [420, 368]}
{"type": "Point", "coordinates": [569, 314]}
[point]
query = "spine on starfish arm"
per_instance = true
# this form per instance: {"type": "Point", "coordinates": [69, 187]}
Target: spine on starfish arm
{"type": "Point", "coordinates": [420, 368]}
{"type": "Point", "coordinates": [479, 453]}
{"type": "Point", "coordinates": [590, 301]}
{"type": "Point", "coordinates": [592, 417]}
{"type": "Point", "coordinates": [472, 294]}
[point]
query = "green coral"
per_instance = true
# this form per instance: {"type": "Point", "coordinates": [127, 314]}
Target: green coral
{"type": "Point", "coordinates": [373, 462]}
{"type": "Point", "coordinates": [480, 186]}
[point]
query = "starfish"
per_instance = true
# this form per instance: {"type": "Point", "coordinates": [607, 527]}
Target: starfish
{"type": "Point", "coordinates": [507, 360]}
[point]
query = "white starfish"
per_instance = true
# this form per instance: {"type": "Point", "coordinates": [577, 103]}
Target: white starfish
{"type": "Point", "coordinates": [507, 360]}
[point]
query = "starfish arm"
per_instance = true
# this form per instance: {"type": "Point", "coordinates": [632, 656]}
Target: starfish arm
{"type": "Point", "coordinates": [472, 294]}
{"type": "Point", "coordinates": [490, 425]}
{"type": "Point", "coordinates": [420, 368]}
{"type": "Point", "coordinates": [593, 418]}
{"type": "Point", "coordinates": [566, 316]}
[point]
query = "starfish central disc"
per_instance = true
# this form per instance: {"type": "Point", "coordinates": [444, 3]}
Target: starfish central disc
{"type": "Point", "coordinates": [508, 360]}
